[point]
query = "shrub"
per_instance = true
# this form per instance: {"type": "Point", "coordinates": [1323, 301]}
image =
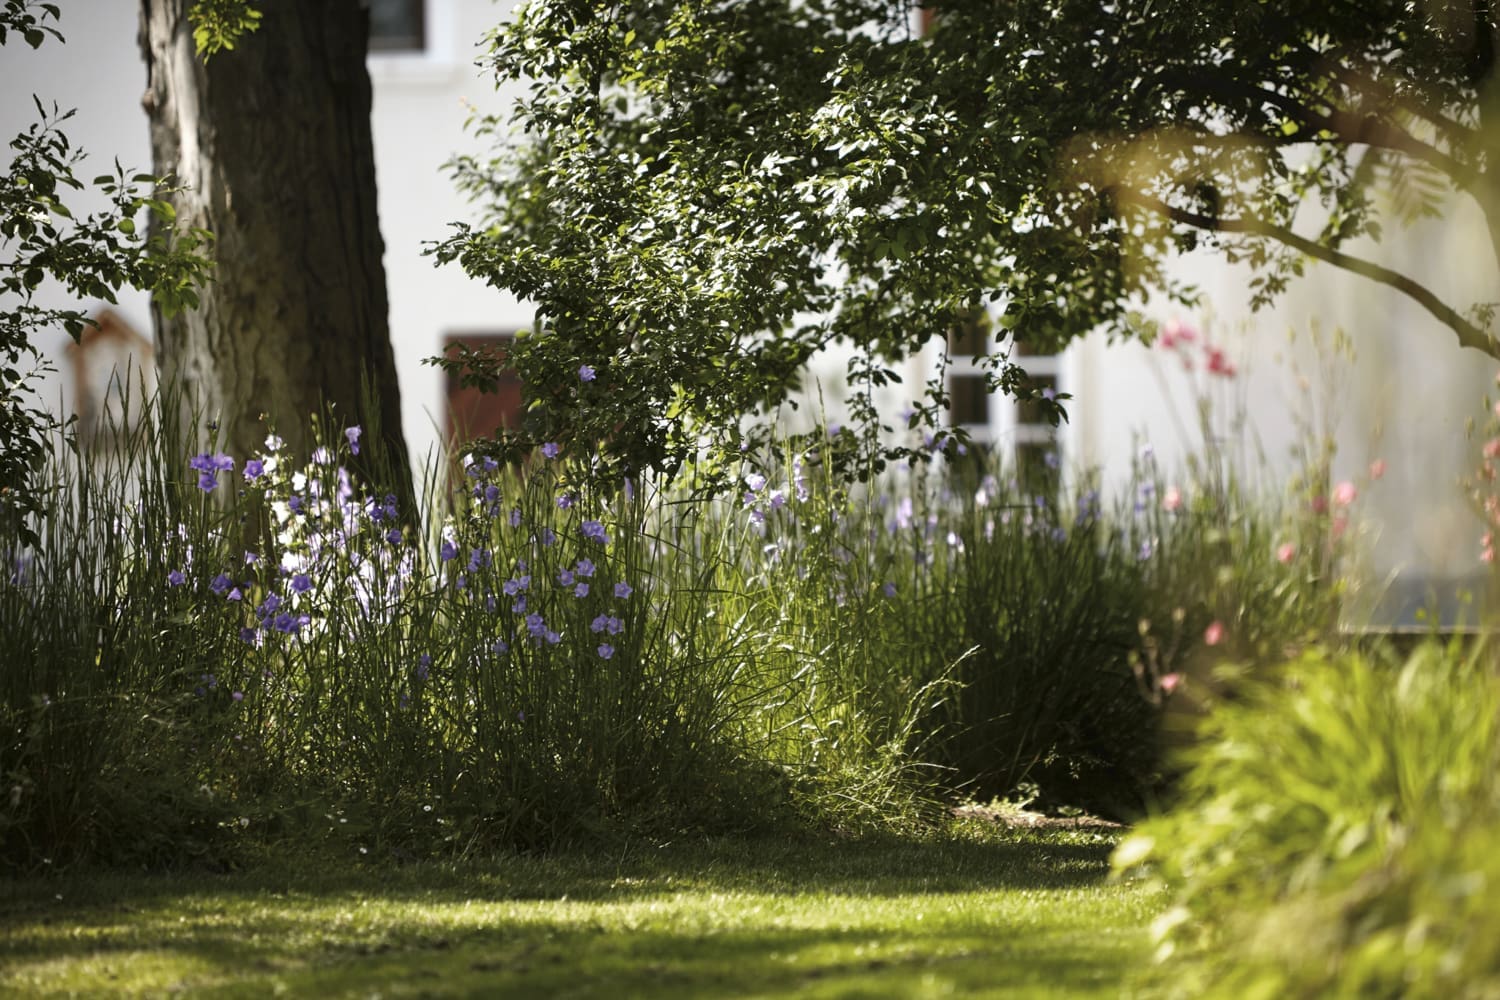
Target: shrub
{"type": "Point", "coordinates": [1336, 834]}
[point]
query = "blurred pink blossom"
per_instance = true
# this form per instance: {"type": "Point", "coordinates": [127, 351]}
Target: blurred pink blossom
{"type": "Point", "coordinates": [1169, 682]}
{"type": "Point", "coordinates": [1174, 332]}
{"type": "Point", "coordinates": [1214, 634]}
{"type": "Point", "coordinates": [1171, 501]}
{"type": "Point", "coordinates": [1286, 552]}
{"type": "Point", "coordinates": [1344, 493]}
{"type": "Point", "coordinates": [1219, 363]}
{"type": "Point", "coordinates": [1377, 468]}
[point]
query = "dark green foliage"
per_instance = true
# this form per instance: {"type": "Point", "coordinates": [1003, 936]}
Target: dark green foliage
{"type": "Point", "coordinates": [699, 196]}
{"type": "Point", "coordinates": [1036, 598]}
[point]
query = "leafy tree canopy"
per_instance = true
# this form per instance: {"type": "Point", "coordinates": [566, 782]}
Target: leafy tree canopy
{"type": "Point", "coordinates": [699, 195]}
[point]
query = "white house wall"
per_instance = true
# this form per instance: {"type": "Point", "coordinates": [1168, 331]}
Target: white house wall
{"type": "Point", "coordinates": [421, 104]}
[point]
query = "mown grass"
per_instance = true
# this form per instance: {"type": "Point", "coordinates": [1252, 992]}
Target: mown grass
{"type": "Point", "coordinates": [983, 914]}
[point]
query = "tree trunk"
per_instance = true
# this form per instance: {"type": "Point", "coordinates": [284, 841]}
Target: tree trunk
{"type": "Point", "coordinates": [271, 143]}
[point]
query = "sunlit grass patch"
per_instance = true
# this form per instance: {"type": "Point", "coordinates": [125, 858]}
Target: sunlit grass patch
{"type": "Point", "coordinates": [991, 915]}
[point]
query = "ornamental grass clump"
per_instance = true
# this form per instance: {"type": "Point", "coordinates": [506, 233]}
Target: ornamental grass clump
{"type": "Point", "coordinates": [216, 650]}
{"type": "Point", "coordinates": [101, 748]}
{"type": "Point", "coordinates": [1042, 595]}
{"type": "Point", "coordinates": [982, 629]}
{"type": "Point", "coordinates": [524, 667]}
{"type": "Point", "coordinates": [814, 593]}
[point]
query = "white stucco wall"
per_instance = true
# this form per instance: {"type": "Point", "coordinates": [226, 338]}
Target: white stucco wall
{"type": "Point", "coordinates": [1405, 396]}
{"type": "Point", "coordinates": [421, 104]}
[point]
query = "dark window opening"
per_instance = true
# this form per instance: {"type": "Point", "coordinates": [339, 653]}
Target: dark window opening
{"type": "Point", "coordinates": [968, 400]}
{"type": "Point", "coordinates": [969, 339]}
{"type": "Point", "coordinates": [398, 26]}
{"type": "Point", "coordinates": [1018, 349]}
{"type": "Point", "coordinates": [1038, 465]}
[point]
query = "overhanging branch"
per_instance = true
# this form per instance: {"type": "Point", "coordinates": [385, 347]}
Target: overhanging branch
{"type": "Point", "coordinates": [1347, 126]}
{"type": "Point", "coordinates": [1469, 334]}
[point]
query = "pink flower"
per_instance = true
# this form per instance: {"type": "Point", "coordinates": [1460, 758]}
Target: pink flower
{"type": "Point", "coordinates": [1492, 448]}
{"type": "Point", "coordinates": [1174, 332]}
{"type": "Point", "coordinates": [1169, 683]}
{"type": "Point", "coordinates": [1214, 634]}
{"type": "Point", "coordinates": [1219, 364]}
{"type": "Point", "coordinates": [1171, 501]}
{"type": "Point", "coordinates": [1320, 504]}
{"type": "Point", "coordinates": [1286, 552]}
{"type": "Point", "coordinates": [1488, 555]}
{"type": "Point", "coordinates": [1377, 468]}
{"type": "Point", "coordinates": [1344, 493]}
{"type": "Point", "coordinates": [1339, 526]}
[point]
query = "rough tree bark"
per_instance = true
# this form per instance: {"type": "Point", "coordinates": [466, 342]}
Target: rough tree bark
{"type": "Point", "coordinates": [271, 143]}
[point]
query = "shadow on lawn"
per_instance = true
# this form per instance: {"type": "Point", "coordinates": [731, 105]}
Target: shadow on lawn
{"type": "Point", "coordinates": [720, 918]}
{"type": "Point", "coordinates": [871, 866]}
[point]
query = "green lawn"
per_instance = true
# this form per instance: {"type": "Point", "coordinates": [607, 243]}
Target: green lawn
{"type": "Point", "coordinates": [981, 914]}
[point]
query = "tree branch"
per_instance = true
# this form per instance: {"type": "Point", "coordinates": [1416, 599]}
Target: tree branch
{"type": "Point", "coordinates": [1348, 126]}
{"type": "Point", "coordinates": [1469, 334]}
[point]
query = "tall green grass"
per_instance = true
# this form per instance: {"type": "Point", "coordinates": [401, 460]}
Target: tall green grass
{"type": "Point", "coordinates": [211, 653]}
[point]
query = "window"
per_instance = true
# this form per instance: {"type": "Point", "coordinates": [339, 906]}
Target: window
{"type": "Point", "coordinates": [1028, 411]}
{"type": "Point", "coordinates": [474, 414]}
{"type": "Point", "coordinates": [1033, 438]}
{"type": "Point", "coordinates": [968, 401]}
{"type": "Point", "coordinates": [398, 26]}
{"type": "Point", "coordinates": [968, 392]}
{"type": "Point", "coordinates": [969, 339]}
